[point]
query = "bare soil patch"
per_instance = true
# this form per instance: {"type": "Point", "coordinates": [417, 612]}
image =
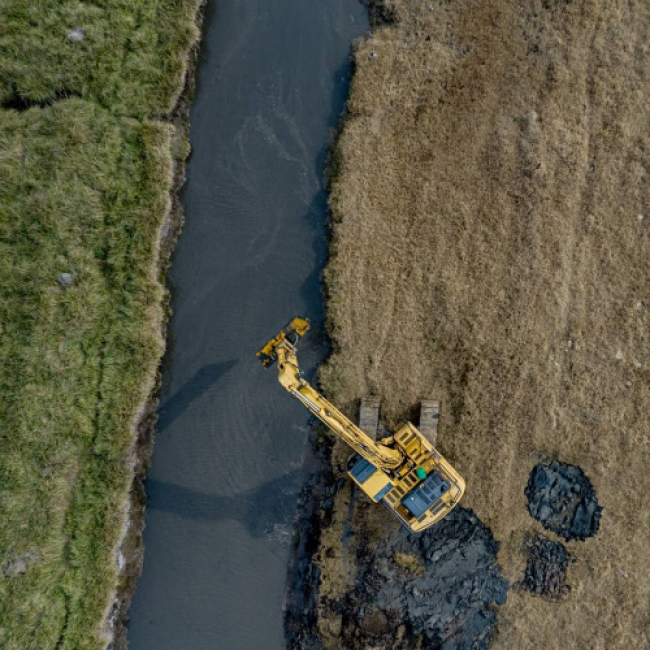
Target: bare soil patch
{"type": "Point", "coordinates": [546, 568]}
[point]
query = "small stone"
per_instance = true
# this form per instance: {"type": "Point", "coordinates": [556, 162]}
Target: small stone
{"type": "Point", "coordinates": [639, 217]}
{"type": "Point", "coordinates": [373, 56]}
{"type": "Point", "coordinates": [65, 279]}
{"type": "Point", "coordinates": [16, 568]}
{"type": "Point", "coordinates": [76, 35]}
{"type": "Point", "coordinates": [639, 304]}
{"type": "Point", "coordinates": [619, 354]}
{"type": "Point", "coordinates": [628, 384]}
{"type": "Point", "coordinates": [638, 364]}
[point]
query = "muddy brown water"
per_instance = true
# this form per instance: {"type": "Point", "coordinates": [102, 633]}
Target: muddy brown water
{"type": "Point", "coordinates": [272, 81]}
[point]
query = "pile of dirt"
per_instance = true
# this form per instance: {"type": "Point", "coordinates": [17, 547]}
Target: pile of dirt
{"type": "Point", "coordinates": [546, 568]}
{"type": "Point", "coordinates": [438, 589]}
{"type": "Point", "coordinates": [563, 500]}
{"type": "Point", "coordinates": [314, 512]}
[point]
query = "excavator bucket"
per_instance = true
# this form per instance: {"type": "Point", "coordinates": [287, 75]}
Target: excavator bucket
{"type": "Point", "coordinates": [292, 332]}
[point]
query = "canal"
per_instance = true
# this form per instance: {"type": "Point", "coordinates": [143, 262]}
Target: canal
{"type": "Point", "coordinates": [272, 81]}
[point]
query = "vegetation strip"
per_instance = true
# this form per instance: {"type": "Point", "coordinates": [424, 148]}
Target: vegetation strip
{"type": "Point", "coordinates": [86, 162]}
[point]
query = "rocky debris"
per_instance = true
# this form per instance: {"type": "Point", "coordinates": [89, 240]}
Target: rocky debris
{"type": "Point", "coordinates": [546, 568]}
{"type": "Point", "coordinates": [563, 500]}
{"type": "Point", "coordinates": [65, 279]}
{"type": "Point", "coordinates": [76, 35]}
{"type": "Point", "coordinates": [436, 590]}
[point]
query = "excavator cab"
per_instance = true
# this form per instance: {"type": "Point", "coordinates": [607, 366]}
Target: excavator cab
{"type": "Point", "coordinates": [375, 483]}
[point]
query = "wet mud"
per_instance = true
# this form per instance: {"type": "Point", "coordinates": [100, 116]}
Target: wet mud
{"type": "Point", "coordinates": [436, 590]}
{"type": "Point", "coordinates": [563, 500]}
{"type": "Point", "coordinates": [546, 568]}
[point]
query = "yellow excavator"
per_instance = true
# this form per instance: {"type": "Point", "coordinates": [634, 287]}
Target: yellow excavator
{"type": "Point", "coordinates": [403, 470]}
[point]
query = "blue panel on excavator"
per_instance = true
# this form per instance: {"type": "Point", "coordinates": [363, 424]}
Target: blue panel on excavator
{"type": "Point", "coordinates": [426, 494]}
{"type": "Point", "coordinates": [362, 470]}
{"type": "Point", "coordinates": [383, 492]}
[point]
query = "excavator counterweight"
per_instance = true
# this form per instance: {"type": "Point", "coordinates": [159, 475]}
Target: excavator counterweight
{"type": "Point", "coordinates": [403, 470]}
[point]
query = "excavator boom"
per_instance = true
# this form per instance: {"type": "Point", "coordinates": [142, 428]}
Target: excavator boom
{"type": "Point", "coordinates": [412, 479]}
{"type": "Point", "coordinates": [282, 348]}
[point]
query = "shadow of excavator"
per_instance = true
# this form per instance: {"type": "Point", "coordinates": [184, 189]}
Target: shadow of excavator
{"type": "Point", "coordinates": [264, 510]}
{"type": "Point", "coordinates": [194, 388]}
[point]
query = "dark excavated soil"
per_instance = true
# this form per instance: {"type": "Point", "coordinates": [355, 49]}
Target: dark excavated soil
{"type": "Point", "coordinates": [546, 568]}
{"type": "Point", "coordinates": [563, 500]}
{"type": "Point", "coordinates": [445, 599]}
{"type": "Point", "coordinates": [435, 591]}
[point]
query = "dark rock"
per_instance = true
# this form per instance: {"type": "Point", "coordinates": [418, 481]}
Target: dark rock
{"type": "Point", "coordinates": [563, 500]}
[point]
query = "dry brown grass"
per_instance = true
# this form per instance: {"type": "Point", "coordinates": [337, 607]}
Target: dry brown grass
{"type": "Point", "coordinates": [487, 252]}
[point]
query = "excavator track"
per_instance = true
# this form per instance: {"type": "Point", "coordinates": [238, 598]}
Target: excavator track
{"type": "Point", "coordinates": [369, 415]}
{"type": "Point", "coordinates": [429, 414]}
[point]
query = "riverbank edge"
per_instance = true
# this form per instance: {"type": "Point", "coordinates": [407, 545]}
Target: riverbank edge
{"type": "Point", "coordinates": [130, 549]}
{"type": "Point", "coordinates": [312, 518]}
{"type": "Point", "coordinates": [326, 500]}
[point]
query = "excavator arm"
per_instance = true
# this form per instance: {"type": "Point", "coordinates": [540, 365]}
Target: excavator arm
{"type": "Point", "coordinates": [282, 348]}
{"type": "Point", "coordinates": [404, 471]}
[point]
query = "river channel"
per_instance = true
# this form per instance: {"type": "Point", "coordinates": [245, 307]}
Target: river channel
{"type": "Point", "coordinates": [272, 81]}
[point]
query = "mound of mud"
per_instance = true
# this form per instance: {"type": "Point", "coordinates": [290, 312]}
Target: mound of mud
{"type": "Point", "coordinates": [546, 568]}
{"type": "Point", "coordinates": [563, 500]}
{"type": "Point", "coordinates": [438, 586]}
{"type": "Point", "coordinates": [436, 590]}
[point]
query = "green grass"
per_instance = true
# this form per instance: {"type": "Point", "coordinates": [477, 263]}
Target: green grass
{"type": "Point", "coordinates": [84, 188]}
{"type": "Point", "coordinates": [81, 192]}
{"type": "Point", "coordinates": [131, 60]}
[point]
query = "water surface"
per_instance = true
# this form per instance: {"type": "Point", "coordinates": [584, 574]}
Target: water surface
{"type": "Point", "coordinates": [271, 83]}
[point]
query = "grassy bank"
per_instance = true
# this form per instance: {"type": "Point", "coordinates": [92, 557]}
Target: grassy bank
{"type": "Point", "coordinates": [490, 249]}
{"type": "Point", "coordinates": [86, 174]}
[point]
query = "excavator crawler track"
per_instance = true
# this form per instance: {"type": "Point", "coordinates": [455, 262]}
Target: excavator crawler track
{"type": "Point", "coordinates": [429, 414]}
{"type": "Point", "coordinates": [369, 415]}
